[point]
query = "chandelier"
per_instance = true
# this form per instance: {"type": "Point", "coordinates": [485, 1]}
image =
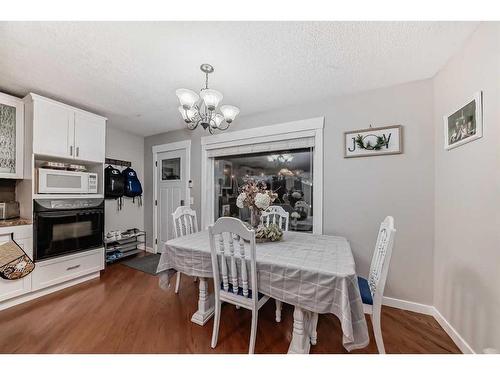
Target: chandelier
{"type": "Point", "coordinates": [203, 112]}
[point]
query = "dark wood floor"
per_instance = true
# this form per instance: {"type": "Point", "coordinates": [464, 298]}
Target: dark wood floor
{"type": "Point", "coordinates": [126, 312]}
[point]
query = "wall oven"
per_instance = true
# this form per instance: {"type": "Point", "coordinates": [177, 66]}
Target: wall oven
{"type": "Point", "coordinates": [66, 226]}
{"type": "Point", "coordinates": [53, 181]}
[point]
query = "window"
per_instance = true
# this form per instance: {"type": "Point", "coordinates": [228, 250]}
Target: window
{"type": "Point", "coordinates": [288, 173]}
{"type": "Point", "coordinates": [171, 169]}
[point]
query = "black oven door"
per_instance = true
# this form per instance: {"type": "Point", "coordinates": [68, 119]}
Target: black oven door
{"type": "Point", "coordinates": [67, 231]}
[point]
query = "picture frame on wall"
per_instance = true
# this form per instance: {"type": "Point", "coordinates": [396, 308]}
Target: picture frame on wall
{"type": "Point", "coordinates": [465, 124]}
{"type": "Point", "coordinates": [226, 210]}
{"type": "Point", "coordinates": [227, 172]}
{"type": "Point", "coordinates": [373, 141]}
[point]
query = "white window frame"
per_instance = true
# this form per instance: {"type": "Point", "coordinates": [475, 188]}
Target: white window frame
{"type": "Point", "coordinates": [182, 145]}
{"type": "Point", "coordinates": [291, 130]}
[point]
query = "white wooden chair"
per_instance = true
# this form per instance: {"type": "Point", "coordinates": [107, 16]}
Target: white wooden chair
{"type": "Point", "coordinates": [185, 222]}
{"type": "Point", "coordinates": [275, 215]}
{"type": "Point", "coordinates": [231, 282]}
{"type": "Point", "coordinates": [372, 290]}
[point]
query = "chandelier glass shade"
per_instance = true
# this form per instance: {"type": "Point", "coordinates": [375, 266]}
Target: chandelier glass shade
{"type": "Point", "coordinates": [202, 109]}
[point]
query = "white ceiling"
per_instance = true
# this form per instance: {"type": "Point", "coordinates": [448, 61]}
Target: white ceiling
{"type": "Point", "coordinates": [128, 71]}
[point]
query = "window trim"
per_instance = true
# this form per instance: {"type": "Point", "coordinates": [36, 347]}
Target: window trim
{"type": "Point", "coordinates": [273, 133]}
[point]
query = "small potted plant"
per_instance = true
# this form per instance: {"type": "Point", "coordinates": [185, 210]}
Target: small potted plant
{"type": "Point", "coordinates": [295, 216]}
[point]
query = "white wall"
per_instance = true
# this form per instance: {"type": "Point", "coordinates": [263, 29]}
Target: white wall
{"type": "Point", "coordinates": [125, 146]}
{"type": "Point", "coordinates": [359, 193]}
{"type": "Point", "coordinates": [467, 196]}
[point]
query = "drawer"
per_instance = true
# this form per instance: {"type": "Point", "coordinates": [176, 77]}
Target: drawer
{"type": "Point", "coordinates": [55, 271]}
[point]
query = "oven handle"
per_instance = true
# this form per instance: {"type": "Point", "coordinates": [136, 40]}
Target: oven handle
{"type": "Point", "coordinates": [67, 213]}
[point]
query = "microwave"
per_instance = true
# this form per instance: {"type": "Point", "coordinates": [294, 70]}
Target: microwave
{"type": "Point", "coordinates": [53, 181]}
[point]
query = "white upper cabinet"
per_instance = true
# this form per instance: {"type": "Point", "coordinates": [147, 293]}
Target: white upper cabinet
{"type": "Point", "coordinates": [67, 132]}
{"type": "Point", "coordinates": [90, 134]}
{"type": "Point", "coordinates": [11, 136]}
{"type": "Point", "coordinates": [53, 129]}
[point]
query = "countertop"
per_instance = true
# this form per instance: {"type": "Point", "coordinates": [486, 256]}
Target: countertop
{"type": "Point", "coordinates": [15, 222]}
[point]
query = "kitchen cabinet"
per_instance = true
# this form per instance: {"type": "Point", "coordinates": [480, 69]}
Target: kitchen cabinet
{"type": "Point", "coordinates": [60, 130]}
{"type": "Point", "coordinates": [23, 237]}
{"type": "Point", "coordinates": [53, 129]}
{"type": "Point", "coordinates": [90, 135]}
{"type": "Point", "coordinates": [11, 136]}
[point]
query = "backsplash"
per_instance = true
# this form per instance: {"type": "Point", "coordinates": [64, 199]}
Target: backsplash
{"type": "Point", "coordinates": [7, 190]}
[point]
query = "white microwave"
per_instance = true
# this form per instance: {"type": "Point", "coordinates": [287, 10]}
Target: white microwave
{"type": "Point", "coordinates": [53, 181]}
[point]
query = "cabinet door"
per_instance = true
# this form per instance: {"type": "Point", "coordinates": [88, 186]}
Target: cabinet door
{"type": "Point", "coordinates": [11, 136]}
{"type": "Point", "coordinates": [14, 288]}
{"type": "Point", "coordinates": [53, 129]}
{"type": "Point", "coordinates": [90, 134]}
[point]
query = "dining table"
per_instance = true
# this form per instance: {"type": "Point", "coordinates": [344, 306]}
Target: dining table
{"type": "Point", "coordinates": [314, 273]}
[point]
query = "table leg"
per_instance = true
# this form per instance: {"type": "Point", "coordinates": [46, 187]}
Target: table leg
{"type": "Point", "coordinates": [314, 324]}
{"type": "Point", "coordinates": [301, 338]}
{"type": "Point", "coordinates": [205, 304]}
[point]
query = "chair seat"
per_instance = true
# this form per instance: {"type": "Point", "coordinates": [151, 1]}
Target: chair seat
{"type": "Point", "coordinates": [364, 290]}
{"type": "Point", "coordinates": [240, 291]}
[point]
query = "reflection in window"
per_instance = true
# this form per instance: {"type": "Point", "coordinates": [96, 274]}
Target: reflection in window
{"type": "Point", "coordinates": [288, 173]}
{"type": "Point", "coordinates": [171, 169]}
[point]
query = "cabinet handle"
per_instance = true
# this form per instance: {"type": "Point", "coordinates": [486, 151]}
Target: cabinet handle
{"type": "Point", "coordinates": [77, 151]}
{"type": "Point", "coordinates": [72, 267]}
{"type": "Point", "coordinates": [71, 150]}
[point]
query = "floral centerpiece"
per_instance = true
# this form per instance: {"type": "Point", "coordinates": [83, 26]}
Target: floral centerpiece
{"type": "Point", "coordinates": [256, 196]}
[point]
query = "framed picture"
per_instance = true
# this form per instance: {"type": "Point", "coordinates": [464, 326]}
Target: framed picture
{"type": "Point", "coordinates": [226, 210]}
{"type": "Point", "coordinates": [227, 171]}
{"type": "Point", "coordinates": [386, 140]}
{"type": "Point", "coordinates": [464, 125]}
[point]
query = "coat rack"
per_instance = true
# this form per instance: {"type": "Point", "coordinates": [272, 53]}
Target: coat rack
{"type": "Point", "coordinates": [117, 162]}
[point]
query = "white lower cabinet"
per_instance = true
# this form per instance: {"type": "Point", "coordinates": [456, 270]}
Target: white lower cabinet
{"type": "Point", "coordinates": [49, 275]}
{"type": "Point", "coordinates": [23, 236]}
{"type": "Point", "coordinates": [58, 270]}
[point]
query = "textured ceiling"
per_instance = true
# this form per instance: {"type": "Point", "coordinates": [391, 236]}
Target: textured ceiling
{"type": "Point", "coordinates": [128, 71]}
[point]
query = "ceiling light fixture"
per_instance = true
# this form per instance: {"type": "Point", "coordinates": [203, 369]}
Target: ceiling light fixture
{"type": "Point", "coordinates": [280, 158]}
{"type": "Point", "coordinates": [203, 112]}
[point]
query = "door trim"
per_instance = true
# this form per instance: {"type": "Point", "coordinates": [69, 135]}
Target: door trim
{"type": "Point", "coordinates": [182, 145]}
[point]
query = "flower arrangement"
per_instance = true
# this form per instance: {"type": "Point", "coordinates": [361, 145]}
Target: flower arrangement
{"type": "Point", "coordinates": [295, 215]}
{"type": "Point", "coordinates": [270, 233]}
{"type": "Point", "coordinates": [256, 196]}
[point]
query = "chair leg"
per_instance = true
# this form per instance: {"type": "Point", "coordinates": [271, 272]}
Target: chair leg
{"type": "Point", "coordinates": [215, 332]}
{"type": "Point", "coordinates": [279, 306]}
{"type": "Point", "coordinates": [253, 332]}
{"type": "Point", "coordinates": [177, 282]}
{"type": "Point", "coordinates": [377, 331]}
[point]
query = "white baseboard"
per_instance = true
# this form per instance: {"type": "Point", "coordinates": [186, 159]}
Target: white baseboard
{"type": "Point", "coordinates": [150, 249]}
{"type": "Point", "coordinates": [408, 305]}
{"type": "Point", "coordinates": [432, 311]}
{"type": "Point", "coordinates": [452, 332]}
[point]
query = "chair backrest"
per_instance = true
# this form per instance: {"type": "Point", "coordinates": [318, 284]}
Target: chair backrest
{"type": "Point", "coordinates": [223, 235]}
{"type": "Point", "coordinates": [184, 220]}
{"type": "Point", "coordinates": [275, 215]}
{"type": "Point", "coordinates": [381, 259]}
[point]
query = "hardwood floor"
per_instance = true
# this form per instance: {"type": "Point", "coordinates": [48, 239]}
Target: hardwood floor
{"type": "Point", "coordinates": [126, 312]}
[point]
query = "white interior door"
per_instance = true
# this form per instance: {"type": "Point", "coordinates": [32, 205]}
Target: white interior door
{"type": "Point", "coordinates": [171, 182]}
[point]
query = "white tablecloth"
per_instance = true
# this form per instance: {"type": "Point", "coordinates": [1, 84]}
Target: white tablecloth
{"type": "Point", "coordinates": [314, 272]}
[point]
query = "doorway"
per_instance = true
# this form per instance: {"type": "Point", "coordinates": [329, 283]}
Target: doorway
{"type": "Point", "coordinates": [171, 171]}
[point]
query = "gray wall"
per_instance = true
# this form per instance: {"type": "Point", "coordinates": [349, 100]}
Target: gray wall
{"type": "Point", "coordinates": [467, 241]}
{"type": "Point", "coordinates": [130, 147]}
{"type": "Point", "coordinates": [359, 193]}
